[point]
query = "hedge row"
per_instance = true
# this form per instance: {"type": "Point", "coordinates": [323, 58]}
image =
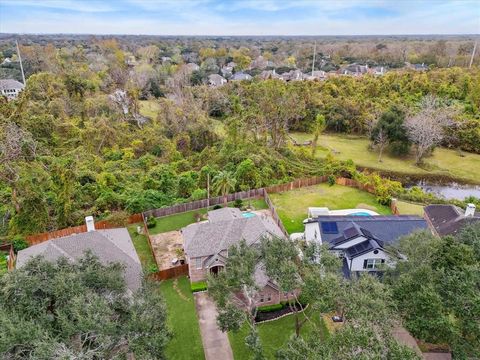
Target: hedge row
{"type": "Point", "coordinates": [198, 286]}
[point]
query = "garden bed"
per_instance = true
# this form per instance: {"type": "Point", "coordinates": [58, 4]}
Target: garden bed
{"type": "Point", "coordinates": [272, 315]}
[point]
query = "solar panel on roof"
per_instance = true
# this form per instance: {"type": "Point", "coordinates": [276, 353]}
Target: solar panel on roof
{"type": "Point", "coordinates": [329, 227]}
{"type": "Point", "coordinates": [350, 232]}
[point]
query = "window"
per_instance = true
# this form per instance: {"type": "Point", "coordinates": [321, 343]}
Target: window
{"type": "Point", "coordinates": [198, 263]}
{"type": "Point", "coordinates": [329, 227]}
{"type": "Point", "coordinates": [261, 299]}
{"type": "Point", "coordinates": [371, 264]}
{"type": "Point", "coordinates": [269, 297]}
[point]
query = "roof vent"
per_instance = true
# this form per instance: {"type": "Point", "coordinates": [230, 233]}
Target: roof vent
{"type": "Point", "coordinates": [90, 223]}
{"type": "Point", "coordinates": [470, 211]}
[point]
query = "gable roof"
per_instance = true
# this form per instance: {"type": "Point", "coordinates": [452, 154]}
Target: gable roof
{"type": "Point", "coordinates": [387, 229]}
{"type": "Point", "coordinates": [448, 219]}
{"type": "Point", "coordinates": [362, 248]}
{"type": "Point", "coordinates": [224, 214]}
{"type": "Point", "coordinates": [208, 238]}
{"type": "Point", "coordinates": [113, 245]}
{"type": "Point", "coordinates": [8, 84]}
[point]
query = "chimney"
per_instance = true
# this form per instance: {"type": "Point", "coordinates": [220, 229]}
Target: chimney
{"type": "Point", "coordinates": [90, 223]}
{"type": "Point", "coordinates": [470, 210]}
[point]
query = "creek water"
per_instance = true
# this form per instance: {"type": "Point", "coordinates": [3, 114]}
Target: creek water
{"type": "Point", "coordinates": [451, 190]}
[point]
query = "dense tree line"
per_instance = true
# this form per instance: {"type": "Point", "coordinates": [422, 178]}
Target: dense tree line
{"type": "Point", "coordinates": [77, 142]}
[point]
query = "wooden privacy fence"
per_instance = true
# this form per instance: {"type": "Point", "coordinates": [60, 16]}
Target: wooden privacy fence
{"type": "Point", "coordinates": [201, 204]}
{"type": "Point", "coordinates": [100, 225]}
{"type": "Point", "coordinates": [275, 216]}
{"type": "Point", "coordinates": [170, 273]}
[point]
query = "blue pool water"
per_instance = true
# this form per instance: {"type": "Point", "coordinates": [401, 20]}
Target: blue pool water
{"type": "Point", "coordinates": [361, 213]}
{"type": "Point", "coordinates": [248, 214]}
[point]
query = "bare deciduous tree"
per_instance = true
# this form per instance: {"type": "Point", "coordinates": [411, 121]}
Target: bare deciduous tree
{"type": "Point", "coordinates": [380, 141]}
{"type": "Point", "coordinates": [426, 128]}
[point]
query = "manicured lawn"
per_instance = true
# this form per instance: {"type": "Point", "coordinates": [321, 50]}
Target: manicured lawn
{"type": "Point", "coordinates": [275, 334]}
{"type": "Point", "coordinates": [443, 161]}
{"type": "Point", "coordinates": [186, 343]}
{"type": "Point", "coordinates": [178, 221]}
{"type": "Point", "coordinates": [407, 208]}
{"type": "Point", "coordinates": [292, 206]}
{"type": "Point", "coordinates": [143, 248]}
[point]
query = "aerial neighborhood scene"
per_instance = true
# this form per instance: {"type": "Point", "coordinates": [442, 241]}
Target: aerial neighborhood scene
{"type": "Point", "coordinates": [239, 180]}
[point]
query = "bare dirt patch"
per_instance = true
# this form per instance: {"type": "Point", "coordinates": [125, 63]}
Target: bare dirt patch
{"type": "Point", "coordinates": [166, 247]}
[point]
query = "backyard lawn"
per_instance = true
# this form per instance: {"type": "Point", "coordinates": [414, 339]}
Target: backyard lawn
{"type": "Point", "coordinates": [186, 342]}
{"type": "Point", "coordinates": [443, 161]}
{"type": "Point", "coordinates": [178, 221]}
{"type": "Point", "coordinates": [292, 206]}
{"type": "Point", "coordinates": [143, 248]}
{"type": "Point", "coordinates": [406, 208]}
{"type": "Point", "coordinates": [275, 334]}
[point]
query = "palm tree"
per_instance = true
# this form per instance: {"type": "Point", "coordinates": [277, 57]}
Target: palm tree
{"type": "Point", "coordinates": [223, 182]}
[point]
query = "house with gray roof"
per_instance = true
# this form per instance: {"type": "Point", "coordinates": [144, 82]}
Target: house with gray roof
{"type": "Point", "coordinates": [240, 76]}
{"type": "Point", "coordinates": [113, 245]}
{"type": "Point", "coordinates": [206, 245]}
{"type": "Point", "coordinates": [216, 80]}
{"type": "Point", "coordinates": [449, 219]}
{"type": "Point", "coordinates": [363, 242]}
{"type": "Point", "coordinates": [10, 88]}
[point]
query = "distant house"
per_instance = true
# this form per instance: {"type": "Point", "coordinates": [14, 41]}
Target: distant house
{"type": "Point", "coordinates": [215, 80]}
{"type": "Point", "coordinates": [292, 75]}
{"type": "Point", "coordinates": [362, 241]}
{"type": "Point", "coordinates": [315, 75]}
{"type": "Point", "coordinates": [192, 67]}
{"type": "Point", "coordinates": [449, 219]}
{"type": "Point", "coordinates": [268, 74]}
{"type": "Point", "coordinates": [11, 88]}
{"type": "Point", "coordinates": [6, 61]}
{"type": "Point", "coordinates": [206, 246]}
{"type": "Point", "coordinates": [114, 245]}
{"type": "Point", "coordinates": [226, 71]}
{"type": "Point", "coordinates": [240, 76]}
{"type": "Point", "coordinates": [379, 70]}
{"type": "Point", "coordinates": [419, 67]}
{"type": "Point", "coordinates": [354, 70]}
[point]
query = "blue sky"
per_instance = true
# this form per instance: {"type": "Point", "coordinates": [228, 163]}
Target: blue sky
{"type": "Point", "coordinates": [241, 17]}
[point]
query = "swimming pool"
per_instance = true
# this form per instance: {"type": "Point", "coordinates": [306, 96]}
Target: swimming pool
{"type": "Point", "coordinates": [248, 214]}
{"type": "Point", "coordinates": [361, 213]}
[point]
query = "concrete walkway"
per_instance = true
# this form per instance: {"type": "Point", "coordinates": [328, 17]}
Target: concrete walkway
{"type": "Point", "coordinates": [215, 342]}
{"type": "Point", "coordinates": [403, 337]}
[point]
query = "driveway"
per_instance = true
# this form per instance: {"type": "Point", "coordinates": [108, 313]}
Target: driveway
{"type": "Point", "coordinates": [215, 342]}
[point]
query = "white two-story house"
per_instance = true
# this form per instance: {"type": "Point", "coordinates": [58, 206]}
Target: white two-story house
{"type": "Point", "coordinates": [362, 241]}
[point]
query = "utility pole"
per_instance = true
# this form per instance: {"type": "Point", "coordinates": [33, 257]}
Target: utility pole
{"type": "Point", "coordinates": [473, 54]}
{"type": "Point", "coordinates": [20, 59]}
{"type": "Point", "coordinates": [314, 53]}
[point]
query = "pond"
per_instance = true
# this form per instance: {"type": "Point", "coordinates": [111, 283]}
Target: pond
{"type": "Point", "coordinates": [451, 190]}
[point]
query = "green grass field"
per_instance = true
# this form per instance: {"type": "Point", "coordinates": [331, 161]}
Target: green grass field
{"type": "Point", "coordinates": [178, 221]}
{"type": "Point", "coordinates": [186, 343]}
{"type": "Point", "coordinates": [143, 248]}
{"type": "Point", "coordinates": [275, 334]}
{"type": "Point", "coordinates": [292, 206]}
{"type": "Point", "coordinates": [407, 208]}
{"type": "Point", "coordinates": [444, 162]}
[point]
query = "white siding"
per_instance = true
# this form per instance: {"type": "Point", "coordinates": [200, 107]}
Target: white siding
{"type": "Point", "coordinates": [356, 264]}
{"type": "Point", "coordinates": [312, 232]}
{"type": "Point", "coordinates": [351, 242]}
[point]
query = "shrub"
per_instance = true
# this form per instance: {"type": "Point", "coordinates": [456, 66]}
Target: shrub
{"type": "Point", "coordinates": [331, 180]}
{"type": "Point", "coordinates": [151, 222]}
{"type": "Point", "coordinates": [238, 203]}
{"type": "Point", "coordinates": [199, 194]}
{"type": "Point", "coordinates": [19, 243]}
{"type": "Point", "coordinates": [198, 286]}
{"type": "Point", "coordinates": [270, 308]}
{"type": "Point", "coordinates": [216, 207]}
{"type": "Point", "coordinates": [118, 218]}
